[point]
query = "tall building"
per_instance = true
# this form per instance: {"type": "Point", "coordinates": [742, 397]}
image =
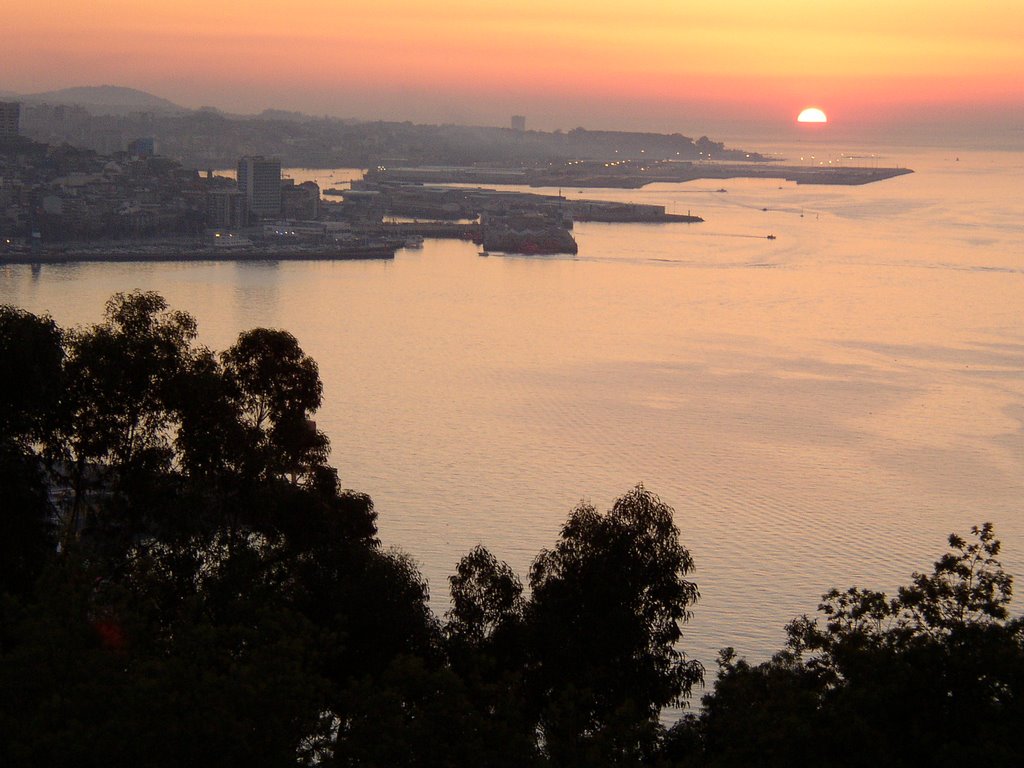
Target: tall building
{"type": "Point", "coordinates": [518, 122]}
{"type": "Point", "coordinates": [10, 112]}
{"type": "Point", "coordinates": [260, 179]}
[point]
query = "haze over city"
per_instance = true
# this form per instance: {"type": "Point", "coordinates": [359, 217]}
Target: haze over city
{"type": "Point", "coordinates": [643, 65]}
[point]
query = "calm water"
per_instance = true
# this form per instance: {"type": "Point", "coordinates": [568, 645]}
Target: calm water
{"type": "Point", "coordinates": [820, 410]}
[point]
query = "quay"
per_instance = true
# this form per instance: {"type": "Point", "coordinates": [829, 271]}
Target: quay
{"type": "Point", "coordinates": [632, 174]}
{"type": "Point", "coordinates": [450, 230]}
{"type": "Point", "coordinates": [448, 205]}
{"type": "Point", "coordinates": [194, 253]}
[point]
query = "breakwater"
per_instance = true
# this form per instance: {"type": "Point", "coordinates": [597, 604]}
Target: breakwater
{"type": "Point", "coordinates": [633, 174]}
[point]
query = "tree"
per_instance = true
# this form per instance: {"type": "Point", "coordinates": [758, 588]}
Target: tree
{"type": "Point", "coordinates": [31, 375]}
{"type": "Point", "coordinates": [120, 375]}
{"type": "Point", "coordinates": [967, 586]}
{"type": "Point", "coordinates": [486, 596]}
{"type": "Point", "coordinates": [117, 415]}
{"type": "Point", "coordinates": [903, 681]}
{"type": "Point", "coordinates": [487, 647]}
{"type": "Point", "coordinates": [106, 671]}
{"type": "Point", "coordinates": [31, 380]}
{"type": "Point", "coordinates": [603, 627]}
{"type": "Point", "coordinates": [277, 386]}
{"type": "Point", "coordinates": [215, 590]}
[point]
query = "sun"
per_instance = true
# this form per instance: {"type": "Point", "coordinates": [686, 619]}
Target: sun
{"type": "Point", "coordinates": [812, 115]}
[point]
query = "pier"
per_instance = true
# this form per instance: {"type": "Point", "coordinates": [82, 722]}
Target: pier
{"type": "Point", "coordinates": [631, 174]}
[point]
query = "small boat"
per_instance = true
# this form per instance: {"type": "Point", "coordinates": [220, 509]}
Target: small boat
{"type": "Point", "coordinates": [771, 237]}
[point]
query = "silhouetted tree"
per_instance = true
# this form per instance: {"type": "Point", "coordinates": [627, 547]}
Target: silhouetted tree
{"type": "Point", "coordinates": [117, 421]}
{"type": "Point", "coordinates": [215, 592]}
{"type": "Point", "coordinates": [603, 623]}
{"type": "Point", "coordinates": [31, 379]}
{"type": "Point", "coordinates": [277, 386]}
{"type": "Point", "coordinates": [898, 681]}
{"type": "Point", "coordinates": [31, 376]}
{"type": "Point", "coordinates": [486, 595]}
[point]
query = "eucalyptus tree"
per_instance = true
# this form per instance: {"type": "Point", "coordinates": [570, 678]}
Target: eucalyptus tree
{"type": "Point", "coordinates": [277, 386]}
{"type": "Point", "coordinates": [121, 378]}
{"type": "Point", "coordinates": [604, 626]}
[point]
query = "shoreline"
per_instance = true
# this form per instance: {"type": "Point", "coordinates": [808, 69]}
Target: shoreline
{"type": "Point", "coordinates": [184, 253]}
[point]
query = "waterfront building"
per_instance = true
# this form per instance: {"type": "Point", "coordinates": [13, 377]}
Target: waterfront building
{"type": "Point", "coordinates": [300, 202]}
{"type": "Point", "coordinates": [226, 209]}
{"type": "Point", "coordinates": [10, 114]}
{"type": "Point", "coordinates": [518, 122]}
{"type": "Point", "coordinates": [259, 178]}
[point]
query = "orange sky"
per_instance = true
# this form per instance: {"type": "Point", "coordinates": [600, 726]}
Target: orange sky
{"type": "Point", "coordinates": [579, 62]}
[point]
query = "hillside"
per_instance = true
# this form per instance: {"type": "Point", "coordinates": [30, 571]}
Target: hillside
{"type": "Point", "coordinates": [106, 99]}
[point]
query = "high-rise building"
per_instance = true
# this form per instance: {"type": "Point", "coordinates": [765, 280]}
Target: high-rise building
{"type": "Point", "coordinates": [518, 122]}
{"type": "Point", "coordinates": [260, 179]}
{"type": "Point", "coordinates": [10, 113]}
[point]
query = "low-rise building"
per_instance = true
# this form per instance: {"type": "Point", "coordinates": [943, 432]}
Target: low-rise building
{"type": "Point", "coordinates": [300, 201]}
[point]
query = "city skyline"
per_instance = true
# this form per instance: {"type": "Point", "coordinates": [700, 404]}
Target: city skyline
{"type": "Point", "coordinates": [648, 66]}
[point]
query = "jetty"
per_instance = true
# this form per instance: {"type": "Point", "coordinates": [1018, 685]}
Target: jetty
{"type": "Point", "coordinates": [631, 174]}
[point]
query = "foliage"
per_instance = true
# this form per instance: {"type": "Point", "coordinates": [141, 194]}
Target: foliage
{"type": "Point", "coordinates": [275, 385]}
{"type": "Point", "coordinates": [119, 376]}
{"type": "Point", "coordinates": [607, 604]}
{"type": "Point", "coordinates": [210, 589]}
{"type": "Point", "coordinates": [901, 681]}
{"type": "Point", "coordinates": [31, 378]}
{"type": "Point", "coordinates": [486, 596]}
{"type": "Point", "coordinates": [967, 586]}
{"type": "Point", "coordinates": [586, 663]}
{"type": "Point", "coordinates": [31, 375]}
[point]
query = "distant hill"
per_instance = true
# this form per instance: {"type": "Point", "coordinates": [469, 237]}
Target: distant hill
{"type": "Point", "coordinates": [283, 115]}
{"type": "Point", "coordinates": [106, 99]}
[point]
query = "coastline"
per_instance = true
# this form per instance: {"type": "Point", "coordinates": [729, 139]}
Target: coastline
{"type": "Point", "coordinates": [192, 253]}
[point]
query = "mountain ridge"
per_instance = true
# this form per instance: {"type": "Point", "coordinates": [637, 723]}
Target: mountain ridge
{"type": "Point", "coordinates": [114, 99]}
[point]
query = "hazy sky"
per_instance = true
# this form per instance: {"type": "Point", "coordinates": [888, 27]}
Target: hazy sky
{"type": "Point", "coordinates": [641, 64]}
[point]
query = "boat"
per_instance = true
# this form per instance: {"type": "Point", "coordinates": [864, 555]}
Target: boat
{"type": "Point", "coordinates": [771, 237]}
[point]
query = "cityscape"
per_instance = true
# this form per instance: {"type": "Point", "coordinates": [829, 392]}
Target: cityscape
{"type": "Point", "coordinates": [511, 385]}
{"type": "Point", "coordinates": [59, 200]}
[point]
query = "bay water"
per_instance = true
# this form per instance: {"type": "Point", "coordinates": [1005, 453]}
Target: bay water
{"type": "Point", "coordinates": [821, 409]}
